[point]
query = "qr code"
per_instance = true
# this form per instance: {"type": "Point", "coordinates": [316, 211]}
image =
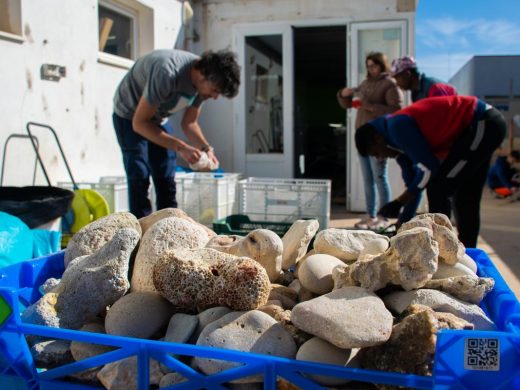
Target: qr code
{"type": "Point", "coordinates": [482, 354]}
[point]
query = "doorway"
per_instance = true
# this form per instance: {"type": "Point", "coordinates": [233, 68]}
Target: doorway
{"type": "Point", "coordinates": [319, 122]}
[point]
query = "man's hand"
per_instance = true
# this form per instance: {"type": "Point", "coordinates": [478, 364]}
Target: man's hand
{"type": "Point", "coordinates": [391, 209]}
{"type": "Point", "coordinates": [189, 153]}
{"type": "Point", "coordinates": [346, 92]}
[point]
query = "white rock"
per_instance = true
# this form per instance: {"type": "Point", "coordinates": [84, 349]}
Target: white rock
{"type": "Point", "coordinates": [343, 244]}
{"type": "Point", "coordinates": [375, 247]}
{"type": "Point", "coordinates": [296, 241]}
{"type": "Point", "coordinates": [315, 273]}
{"type": "Point", "coordinates": [447, 271]}
{"type": "Point", "coordinates": [469, 262]}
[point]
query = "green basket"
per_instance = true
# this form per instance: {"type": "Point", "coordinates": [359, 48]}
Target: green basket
{"type": "Point", "coordinates": [241, 225]}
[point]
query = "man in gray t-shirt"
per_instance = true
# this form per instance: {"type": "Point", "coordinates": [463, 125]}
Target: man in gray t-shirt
{"type": "Point", "coordinates": [159, 84]}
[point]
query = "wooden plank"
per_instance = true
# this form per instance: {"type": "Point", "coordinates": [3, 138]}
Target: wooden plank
{"type": "Point", "coordinates": [104, 31]}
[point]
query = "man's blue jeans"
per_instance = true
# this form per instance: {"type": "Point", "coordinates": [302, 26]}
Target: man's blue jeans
{"type": "Point", "coordinates": [143, 159]}
{"type": "Point", "coordinates": [375, 174]}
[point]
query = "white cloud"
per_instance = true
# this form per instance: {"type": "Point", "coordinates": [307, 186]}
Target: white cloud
{"type": "Point", "coordinates": [446, 44]}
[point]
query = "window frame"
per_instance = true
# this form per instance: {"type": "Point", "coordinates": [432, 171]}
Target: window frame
{"type": "Point", "coordinates": [17, 36]}
{"type": "Point", "coordinates": [133, 15]}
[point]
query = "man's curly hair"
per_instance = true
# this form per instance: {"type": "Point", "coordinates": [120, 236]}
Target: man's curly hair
{"type": "Point", "coordinates": [222, 69]}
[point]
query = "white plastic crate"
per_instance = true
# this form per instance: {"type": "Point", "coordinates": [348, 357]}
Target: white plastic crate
{"type": "Point", "coordinates": [206, 196]}
{"type": "Point", "coordinates": [113, 189]}
{"type": "Point", "coordinates": [285, 200]}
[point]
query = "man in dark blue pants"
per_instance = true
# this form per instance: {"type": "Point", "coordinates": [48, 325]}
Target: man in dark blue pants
{"type": "Point", "coordinates": [159, 84]}
{"type": "Point", "coordinates": [444, 144]}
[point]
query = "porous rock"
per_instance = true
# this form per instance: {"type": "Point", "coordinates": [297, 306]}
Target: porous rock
{"type": "Point", "coordinates": [199, 279]}
{"type": "Point", "coordinates": [96, 234]}
{"type": "Point", "coordinates": [466, 288]}
{"type": "Point", "coordinates": [88, 285]}
{"type": "Point", "coordinates": [165, 235]}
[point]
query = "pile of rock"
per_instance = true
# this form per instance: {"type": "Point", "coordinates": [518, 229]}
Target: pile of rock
{"type": "Point", "coordinates": [356, 299]}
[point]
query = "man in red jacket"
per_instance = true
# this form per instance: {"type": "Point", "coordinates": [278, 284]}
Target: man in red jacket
{"type": "Point", "coordinates": [444, 144]}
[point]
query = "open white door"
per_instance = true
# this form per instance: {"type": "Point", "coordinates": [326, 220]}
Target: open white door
{"type": "Point", "coordinates": [391, 39]}
{"type": "Point", "coordinates": [263, 130]}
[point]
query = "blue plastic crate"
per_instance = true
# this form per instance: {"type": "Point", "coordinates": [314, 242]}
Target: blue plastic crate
{"type": "Point", "coordinates": [19, 285]}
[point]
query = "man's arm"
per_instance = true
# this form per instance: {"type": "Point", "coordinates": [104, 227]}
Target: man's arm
{"type": "Point", "coordinates": [191, 128]}
{"type": "Point", "coordinates": [144, 126]}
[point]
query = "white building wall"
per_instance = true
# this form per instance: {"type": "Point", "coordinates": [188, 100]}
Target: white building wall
{"type": "Point", "coordinates": [212, 29]}
{"type": "Point", "coordinates": [78, 106]}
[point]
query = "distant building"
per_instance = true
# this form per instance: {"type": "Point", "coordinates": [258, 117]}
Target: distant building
{"type": "Point", "coordinates": [496, 79]}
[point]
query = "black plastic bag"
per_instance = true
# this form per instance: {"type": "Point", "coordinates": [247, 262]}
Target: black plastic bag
{"type": "Point", "coordinates": [35, 205]}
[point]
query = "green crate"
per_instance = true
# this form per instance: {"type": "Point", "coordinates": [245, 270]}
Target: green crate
{"type": "Point", "coordinates": [241, 225]}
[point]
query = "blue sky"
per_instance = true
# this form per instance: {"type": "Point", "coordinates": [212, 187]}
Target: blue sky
{"type": "Point", "coordinates": [450, 32]}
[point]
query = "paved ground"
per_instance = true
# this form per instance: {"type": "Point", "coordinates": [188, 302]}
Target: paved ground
{"type": "Point", "coordinates": [499, 234]}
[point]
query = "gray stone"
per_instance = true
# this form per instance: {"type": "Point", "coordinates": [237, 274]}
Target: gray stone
{"type": "Point", "coordinates": [439, 301]}
{"type": "Point", "coordinates": [173, 378]}
{"type": "Point", "coordinates": [315, 273]}
{"type": "Point", "coordinates": [199, 279]}
{"type": "Point", "coordinates": [321, 351]}
{"type": "Point", "coordinates": [122, 374]}
{"type": "Point", "coordinates": [343, 244]}
{"type": "Point", "coordinates": [88, 285]}
{"type": "Point", "coordinates": [162, 237]}
{"type": "Point", "coordinates": [351, 317]}
{"type": "Point", "coordinates": [138, 314]}
{"type": "Point", "coordinates": [95, 235]}
{"type": "Point", "coordinates": [285, 295]}
{"type": "Point", "coordinates": [252, 331]}
{"type": "Point", "coordinates": [81, 350]}
{"type": "Point", "coordinates": [296, 241]}
{"type": "Point", "coordinates": [51, 353]}
{"type": "Point", "coordinates": [49, 285]}
{"type": "Point", "coordinates": [181, 327]}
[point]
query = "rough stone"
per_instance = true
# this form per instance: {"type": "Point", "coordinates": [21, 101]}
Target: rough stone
{"type": "Point", "coordinates": [410, 262]}
{"type": "Point", "coordinates": [439, 301]}
{"type": "Point", "coordinates": [287, 297]}
{"type": "Point", "coordinates": [466, 288]}
{"type": "Point", "coordinates": [350, 317]}
{"type": "Point", "coordinates": [251, 331]}
{"type": "Point", "coordinates": [51, 353]}
{"type": "Point", "coordinates": [296, 241]}
{"type": "Point", "coordinates": [315, 273]}
{"type": "Point", "coordinates": [138, 314]}
{"type": "Point", "coordinates": [173, 378]}
{"type": "Point", "coordinates": [199, 279]}
{"type": "Point", "coordinates": [343, 244]}
{"type": "Point", "coordinates": [164, 236]}
{"type": "Point", "coordinates": [96, 234]}
{"type": "Point", "coordinates": [88, 285]}
{"type": "Point", "coordinates": [451, 250]}
{"type": "Point", "coordinates": [149, 220]}
{"type": "Point", "coordinates": [261, 245]}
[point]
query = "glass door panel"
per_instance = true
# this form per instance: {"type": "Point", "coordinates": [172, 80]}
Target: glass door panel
{"type": "Point", "coordinates": [264, 92]}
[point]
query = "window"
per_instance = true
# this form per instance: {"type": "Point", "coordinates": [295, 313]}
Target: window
{"type": "Point", "coordinates": [11, 17]}
{"type": "Point", "coordinates": [117, 31]}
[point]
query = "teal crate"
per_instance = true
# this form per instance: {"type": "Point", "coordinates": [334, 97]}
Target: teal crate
{"type": "Point", "coordinates": [241, 225]}
{"type": "Point", "coordinates": [19, 285]}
